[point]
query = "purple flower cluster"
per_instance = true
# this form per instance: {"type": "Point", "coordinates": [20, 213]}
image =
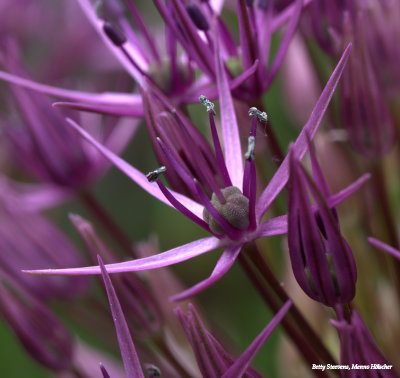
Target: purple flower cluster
{"type": "Point", "coordinates": [201, 78]}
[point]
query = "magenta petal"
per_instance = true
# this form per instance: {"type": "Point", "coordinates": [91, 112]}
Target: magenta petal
{"type": "Point", "coordinates": [345, 193]}
{"type": "Point", "coordinates": [278, 225]}
{"type": "Point", "coordinates": [211, 92]}
{"type": "Point", "coordinates": [106, 98]}
{"type": "Point", "coordinates": [173, 256]}
{"type": "Point", "coordinates": [224, 263]}
{"type": "Point", "coordinates": [274, 226]}
{"type": "Point", "coordinates": [137, 176]}
{"type": "Point", "coordinates": [284, 45]}
{"type": "Point", "coordinates": [240, 366]}
{"type": "Point", "coordinates": [384, 247]}
{"type": "Point", "coordinates": [230, 130]}
{"type": "Point", "coordinates": [128, 351]}
{"type": "Point", "coordinates": [285, 15]}
{"type": "Point", "coordinates": [281, 176]}
{"type": "Point", "coordinates": [131, 110]}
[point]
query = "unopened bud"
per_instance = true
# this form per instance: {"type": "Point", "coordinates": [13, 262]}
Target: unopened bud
{"type": "Point", "coordinates": [116, 35]}
{"type": "Point", "coordinates": [197, 17]}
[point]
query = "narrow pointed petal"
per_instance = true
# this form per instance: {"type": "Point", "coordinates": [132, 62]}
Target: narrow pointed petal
{"type": "Point", "coordinates": [128, 351]}
{"type": "Point", "coordinates": [205, 348]}
{"type": "Point", "coordinates": [211, 357]}
{"type": "Point", "coordinates": [230, 130]}
{"type": "Point", "coordinates": [173, 256]}
{"type": "Point", "coordinates": [278, 225]}
{"type": "Point", "coordinates": [224, 263]}
{"type": "Point", "coordinates": [384, 247]}
{"type": "Point", "coordinates": [240, 366]}
{"type": "Point", "coordinates": [247, 39]}
{"type": "Point", "coordinates": [285, 15]}
{"type": "Point", "coordinates": [345, 193]}
{"type": "Point", "coordinates": [274, 226]}
{"type": "Point", "coordinates": [130, 110]}
{"type": "Point", "coordinates": [106, 98]}
{"type": "Point", "coordinates": [200, 50]}
{"type": "Point", "coordinates": [137, 176]}
{"type": "Point", "coordinates": [284, 45]}
{"type": "Point", "coordinates": [211, 92]}
{"type": "Point", "coordinates": [281, 176]}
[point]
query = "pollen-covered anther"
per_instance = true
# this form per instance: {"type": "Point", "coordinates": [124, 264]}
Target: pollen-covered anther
{"type": "Point", "coordinates": [207, 103]}
{"type": "Point", "coordinates": [153, 175]}
{"type": "Point", "coordinates": [262, 116]}
{"type": "Point", "coordinates": [235, 210]}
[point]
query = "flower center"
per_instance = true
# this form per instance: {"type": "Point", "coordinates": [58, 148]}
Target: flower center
{"type": "Point", "coordinates": [235, 210]}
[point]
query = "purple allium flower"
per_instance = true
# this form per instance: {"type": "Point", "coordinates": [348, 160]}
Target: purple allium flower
{"type": "Point", "coordinates": [233, 238]}
{"type": "Point", "coordinates": [322, 261]}
{"type": "Point", "coordinates": [128, 351]}
{"type": "Point", "coordinates": [382, 35]}
{"type": "Point", "coordinates": [326, 23]}
{"type": "Point", "coordinates": [365, 113]}
{"type": "Point", "coordinates": [211, 357]}
{"type": "Point", "coordinates": [44, 145]}
{"type": "Point", "coordinates": [357, 347]}
{"type": "Point", "coordinates": [371, 81]}
{"type": "Point", "coordinates": [43, 336]}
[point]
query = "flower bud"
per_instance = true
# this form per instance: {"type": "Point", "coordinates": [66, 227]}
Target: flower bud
{"type": "Point", "coordinates": [322, 261]}
{"type": "Point", "coordinates": [357, 347]}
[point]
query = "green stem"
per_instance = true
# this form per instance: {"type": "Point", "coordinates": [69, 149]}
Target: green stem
{"type": "Point", "coordinates": [302, 343]}
{"type": "Point", "coordinates": [270, 278]}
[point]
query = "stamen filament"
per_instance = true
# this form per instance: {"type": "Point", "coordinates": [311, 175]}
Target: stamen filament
{"type": "Point", "coordinates": [201, 165]}
{"type": "Point", "coordinates": [154, 177]}
{"type": "Point", "coordinates": [250, 185]}
{"type": "Point", "coordinates": [252, 197]}
{"type": "Point", "coordinates": [142, 26]}
{"type": "Point", "coordinates": [184, 210]}
{"type": "Point", "coordinates": [217, 145]}
{"type": "Point", "coordinates": [180, 170]}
